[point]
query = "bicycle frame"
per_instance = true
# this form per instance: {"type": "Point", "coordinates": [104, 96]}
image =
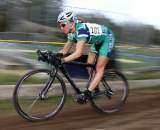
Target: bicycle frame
{"type": "Point", "coordinates": [70, 80]}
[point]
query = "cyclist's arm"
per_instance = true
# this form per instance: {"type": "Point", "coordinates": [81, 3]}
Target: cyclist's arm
{"type": "Point", "coordinates": [66, 48]}
{"type": "Point", "coordinates": [78, 52]}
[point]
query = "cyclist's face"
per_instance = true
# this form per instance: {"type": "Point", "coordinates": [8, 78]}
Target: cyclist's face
{"type": "Point", "coordinates": [65, 27]}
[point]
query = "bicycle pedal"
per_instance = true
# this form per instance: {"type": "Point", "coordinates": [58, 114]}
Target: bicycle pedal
{"type": "Point", "coordinates": [109, 94]}
{"type": "Point", "coordinates": [80, 99]}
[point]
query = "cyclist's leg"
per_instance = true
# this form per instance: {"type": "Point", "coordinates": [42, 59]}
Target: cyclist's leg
{"type": "Point", "coordinates": [101, 63]}
{"type": "Point", "coordinates": [92, 57]}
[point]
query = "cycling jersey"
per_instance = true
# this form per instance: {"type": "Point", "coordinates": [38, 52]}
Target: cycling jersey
{"type": "Point", "coordinates": [100, 37]}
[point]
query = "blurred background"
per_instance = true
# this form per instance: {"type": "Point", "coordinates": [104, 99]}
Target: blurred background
{"type": "Point", "coordinates": [28, 25]}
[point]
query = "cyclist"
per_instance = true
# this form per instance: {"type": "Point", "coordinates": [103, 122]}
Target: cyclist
{"type": "Point", "coordinates": [102, 42]}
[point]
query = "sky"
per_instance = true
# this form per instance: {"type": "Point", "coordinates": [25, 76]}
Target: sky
{"type": "Point", "coordinates": [144, 11]}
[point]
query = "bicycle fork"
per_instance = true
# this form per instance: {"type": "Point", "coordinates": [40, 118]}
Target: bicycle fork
{"type": "Point", "coordinates": [44, 91]}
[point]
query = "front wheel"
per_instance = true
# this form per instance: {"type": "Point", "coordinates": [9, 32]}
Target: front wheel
{"type": "Point", "coordinates": [39, 95]}
{"type": "Point", "coordinates": [112, 93]}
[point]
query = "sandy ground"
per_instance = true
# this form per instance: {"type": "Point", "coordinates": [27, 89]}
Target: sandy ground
{"type": "Point", "coordinates": [141, 112]}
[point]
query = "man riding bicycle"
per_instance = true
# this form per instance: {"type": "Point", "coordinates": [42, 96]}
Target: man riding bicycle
{"type": "Point", "coordinates": [102, 42]}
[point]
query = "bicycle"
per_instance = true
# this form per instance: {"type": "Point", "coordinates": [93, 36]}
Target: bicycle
{"type": "Point", "coordinates": [40, 94]}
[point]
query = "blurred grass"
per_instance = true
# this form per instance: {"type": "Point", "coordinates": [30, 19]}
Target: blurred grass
{"type": "Point", "coordinates": [6, 107]}
{"type": "Point", "coordinates": [146, 56]}
{"type": "Point", "coordinates": [31, 55]}
{"type": "Point", "coordinates": [11, 79]}
{"type": "Point", "coordinates": [141, 50]}
{"type": "Point", "coordinates": [144, 76]}
{"type": "Point", "coordinates": [8, 79]}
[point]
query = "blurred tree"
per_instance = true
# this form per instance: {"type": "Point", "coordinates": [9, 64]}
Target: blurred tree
{"type": "Point", "coordinates": [136, 33]}
{"type": "Point", "coordinates": [156, 37]}
{"type": "Point", "coordinates": [2, 21]}
{"type": "Point", "coordinates": [44, 11]}
{"type": "Point", "coordinates": [37, 11]}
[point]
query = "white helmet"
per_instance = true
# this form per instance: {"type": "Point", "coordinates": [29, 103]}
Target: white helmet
{"type": "Point", "coordinates": [64, 17]}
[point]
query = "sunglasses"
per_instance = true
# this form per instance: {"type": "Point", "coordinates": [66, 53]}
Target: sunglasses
{"type": "Point", "coordinates": [62, 25]}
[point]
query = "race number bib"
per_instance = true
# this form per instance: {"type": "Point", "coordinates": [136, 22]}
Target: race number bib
{"type": "Point", "coordinates": [94, 29]}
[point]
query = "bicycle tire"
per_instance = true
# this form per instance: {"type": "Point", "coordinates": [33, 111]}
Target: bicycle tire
{"type": "Point", "coordinates": [112, 94]}
{"type": "Point", "coordinates": [27, 100]}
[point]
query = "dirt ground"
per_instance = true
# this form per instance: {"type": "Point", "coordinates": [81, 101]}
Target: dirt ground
{"type": "Point", "coordinates": [141, 112]}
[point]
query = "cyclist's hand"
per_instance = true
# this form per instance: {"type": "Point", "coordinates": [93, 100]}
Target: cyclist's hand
{"type": "Point", "coordinates": [42, 56]}
{"type": "Point", "coordinates": [55, 60]}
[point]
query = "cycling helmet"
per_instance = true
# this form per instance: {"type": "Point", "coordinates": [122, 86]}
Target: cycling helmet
{"type": "Point", "coordinates": [65, 17]}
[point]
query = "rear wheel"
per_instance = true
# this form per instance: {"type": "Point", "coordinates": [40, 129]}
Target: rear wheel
{"type": "Point", "coordinates": [112, 93]}
{"type": "Point", "coordinates": [33, 100]}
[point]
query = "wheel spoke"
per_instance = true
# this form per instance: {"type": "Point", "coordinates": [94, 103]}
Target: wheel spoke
{"type": "Point", "coordinates": [29, 108]}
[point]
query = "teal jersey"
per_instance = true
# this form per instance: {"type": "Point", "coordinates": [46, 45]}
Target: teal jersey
{"type": "Point", "coordinates": [90, 32]}
{"type": "Point", "coordinates": [94, 34]}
